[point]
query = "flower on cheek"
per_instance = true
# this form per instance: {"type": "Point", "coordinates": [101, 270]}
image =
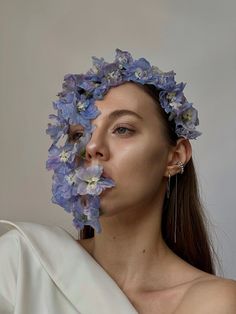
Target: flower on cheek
{"type": "Point", "coordinates": [61, 157]}
{"type": "Point", "coordinates": [91, 182]}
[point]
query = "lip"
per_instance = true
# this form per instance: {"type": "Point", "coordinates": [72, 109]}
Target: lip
{"type": "Point", "coordinates": [105, 175]}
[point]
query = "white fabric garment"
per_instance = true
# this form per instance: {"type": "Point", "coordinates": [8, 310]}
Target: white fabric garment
{"type": "Point", "coordinates": [44, 270]}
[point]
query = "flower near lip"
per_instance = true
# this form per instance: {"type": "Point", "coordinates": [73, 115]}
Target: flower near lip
{"type": "Point", "coordinates": [91, 181]}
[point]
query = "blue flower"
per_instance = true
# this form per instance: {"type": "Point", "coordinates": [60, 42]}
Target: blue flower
{"type": "Point", "coordinates": [69, 83]}
{"type": "Point", "coordinates": [61, 159]}
{"type": "Point", "coordinates": [86, 212]}
{"type": "Point", "coordinates": [123, 58]}
{"type": "Point", "coordinates": [112, 75]}
{"type": "Point", "coordinates": [64, 190]}
{"type": "Point", "coordinates": [91, 182]}
{"type": "Point", "coordinates": [77, 111]}
{"type": "Point", "coordinates": [172, 99]}
{"type": "Point", "coordinates": [139, 71]}
{"type": "Point", "coordinates": [57, 130]}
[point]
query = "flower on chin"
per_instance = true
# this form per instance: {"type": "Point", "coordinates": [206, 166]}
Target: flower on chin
{"type": "Point", "coordinates": [86, 212]}
{"type": "Point", "coordinates": [90, 180]}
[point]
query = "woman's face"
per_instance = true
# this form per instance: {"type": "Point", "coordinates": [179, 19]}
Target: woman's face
{"type": "Point", "coordinates": [128, 142]}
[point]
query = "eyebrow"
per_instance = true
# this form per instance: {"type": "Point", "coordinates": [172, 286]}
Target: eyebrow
{"type": "Point", "coordinates": [123, 112]}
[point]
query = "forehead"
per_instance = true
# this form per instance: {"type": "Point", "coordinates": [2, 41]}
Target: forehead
{"type": "Point", "coordinates": [128, 96]}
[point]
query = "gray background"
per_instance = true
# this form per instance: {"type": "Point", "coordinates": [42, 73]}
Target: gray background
{"type": "Point", "coordinates": [42, 40]}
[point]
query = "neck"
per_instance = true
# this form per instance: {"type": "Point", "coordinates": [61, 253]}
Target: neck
{"type": "Point", "coordinates": [130, 248]}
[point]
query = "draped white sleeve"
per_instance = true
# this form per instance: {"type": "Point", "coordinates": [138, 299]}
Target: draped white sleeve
{"type": "Point", "coordinates": [45, 270]}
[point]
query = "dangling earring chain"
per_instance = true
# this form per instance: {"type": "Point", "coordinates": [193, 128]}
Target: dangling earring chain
{"type": "Point", "coordinates": [175, 211]}
{"type": "Point", "coordinates": [168, 186]}
{"type": "Point", "coordinates": [181, 166]}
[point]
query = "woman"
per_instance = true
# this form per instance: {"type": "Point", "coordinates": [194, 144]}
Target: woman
{"type": "Point", "coordinates": [126, 174]}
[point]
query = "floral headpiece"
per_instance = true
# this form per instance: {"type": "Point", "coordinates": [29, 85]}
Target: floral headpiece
{"type": "Point", "coordinates": [75, 187]}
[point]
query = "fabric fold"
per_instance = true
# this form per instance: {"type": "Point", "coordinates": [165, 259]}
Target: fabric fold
{"type": "Point", "coordinates": [74, 271]}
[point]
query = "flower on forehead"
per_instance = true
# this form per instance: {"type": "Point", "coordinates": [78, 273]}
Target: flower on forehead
{"type": "Point", "coordinates": [98, 64]}
{"type": "Point", "coordinates": [112, 75]}
{"type": "Point", "coordinates": [91, 180]}
{"type": "Point", "coordinates": [123, 58]}
{"type": "Point", "coordinates": [139, 71]}
{"type": "Point", "coordinates": [57, 130]}
{"type": "Point", "coordinates": [86, 212]}
{"type": "Point", "coordinates": [77, 111]}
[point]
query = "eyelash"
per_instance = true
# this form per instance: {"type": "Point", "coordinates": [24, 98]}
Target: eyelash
{"type": "Point", "coordinates": [77, 135]}
{"type": "Point", "coordinates": [127, 133]}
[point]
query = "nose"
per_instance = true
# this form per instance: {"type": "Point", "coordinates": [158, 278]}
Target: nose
{"type": "Point", "coordinates": [97, 148]}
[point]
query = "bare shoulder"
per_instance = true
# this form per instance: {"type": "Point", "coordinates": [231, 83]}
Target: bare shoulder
{"type": "Point", "coordinates": [214, 295]}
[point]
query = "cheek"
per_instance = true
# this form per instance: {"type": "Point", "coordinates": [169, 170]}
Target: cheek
{"type": "Point", "coordinates": [139, 164]}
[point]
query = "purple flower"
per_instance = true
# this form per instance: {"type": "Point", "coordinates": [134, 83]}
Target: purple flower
{"type": "Point", "coordinates": [86, 212]}
{"type": "Point", "coordinates": [77, 111]}
{"type": "Point", "coordinates": [91, 182]}
{"type": "Point", "coordinates": [64, 190]}
{"type": "Point", "coordinates": [61, 157]}
{"type": "Point", "coordinates": [172, 100]}
{"type": "Point", "coordinates": [57, 130]}
{"type": "Point", "coordinates": [69, 84]}
{"type": "Point", "coordinates": [139, 71]}
{"type": "Point", "coordinates": [123, 58]}
{"type": "Point", "coordinates": [112, 75]}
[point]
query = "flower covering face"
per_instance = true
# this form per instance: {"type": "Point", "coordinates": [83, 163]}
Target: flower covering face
{"type": "Point", "coordinates": [110, 129]}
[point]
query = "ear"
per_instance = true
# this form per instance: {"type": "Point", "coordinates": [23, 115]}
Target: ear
{"type": "Point", "coordinates": [181, 152]}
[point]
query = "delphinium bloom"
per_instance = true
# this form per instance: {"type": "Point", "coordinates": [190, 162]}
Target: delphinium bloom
{"type": "Point", "coordinates": [86, 212]}
{"type": "Point", "coordinates": [91, 181]}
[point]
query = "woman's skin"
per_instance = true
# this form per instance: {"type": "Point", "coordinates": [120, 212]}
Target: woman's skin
{"type": "Point", "coordinates": [129, 142]}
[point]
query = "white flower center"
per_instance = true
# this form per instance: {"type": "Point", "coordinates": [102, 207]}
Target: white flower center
{"type": "Point", "coordinates": [171, 96]}
{"type": "Point", "coordinates": [138, 73]}
{"type": "Point", "coordinates": [64, 156]}
{"type": "Point", "coordinates": [187, 116]}
{"type": "Point", "coordinates": [92, 182]}
{"type": "Point", "coordinates": [80, 106]}
{"type": "Point", "coordinates": [71, 179]}
{"type": "Point", "coordinates": [175, 105]}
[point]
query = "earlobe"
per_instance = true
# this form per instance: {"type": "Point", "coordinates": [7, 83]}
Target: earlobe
{"type": "Point", "coordinates": [180, 155]}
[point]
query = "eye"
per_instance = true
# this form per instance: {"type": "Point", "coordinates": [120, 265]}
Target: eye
{"type": "Point", "coordinates": [123, 131]}
{"type": "Point", "coordinates": [74, 137]}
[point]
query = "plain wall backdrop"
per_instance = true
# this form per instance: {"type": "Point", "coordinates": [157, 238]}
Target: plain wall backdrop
{"type": "Point", "coordinates": [40, 41]}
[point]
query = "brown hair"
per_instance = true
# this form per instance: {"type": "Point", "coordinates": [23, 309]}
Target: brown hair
{"type": "Point", "coordinates": [193, 242]}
